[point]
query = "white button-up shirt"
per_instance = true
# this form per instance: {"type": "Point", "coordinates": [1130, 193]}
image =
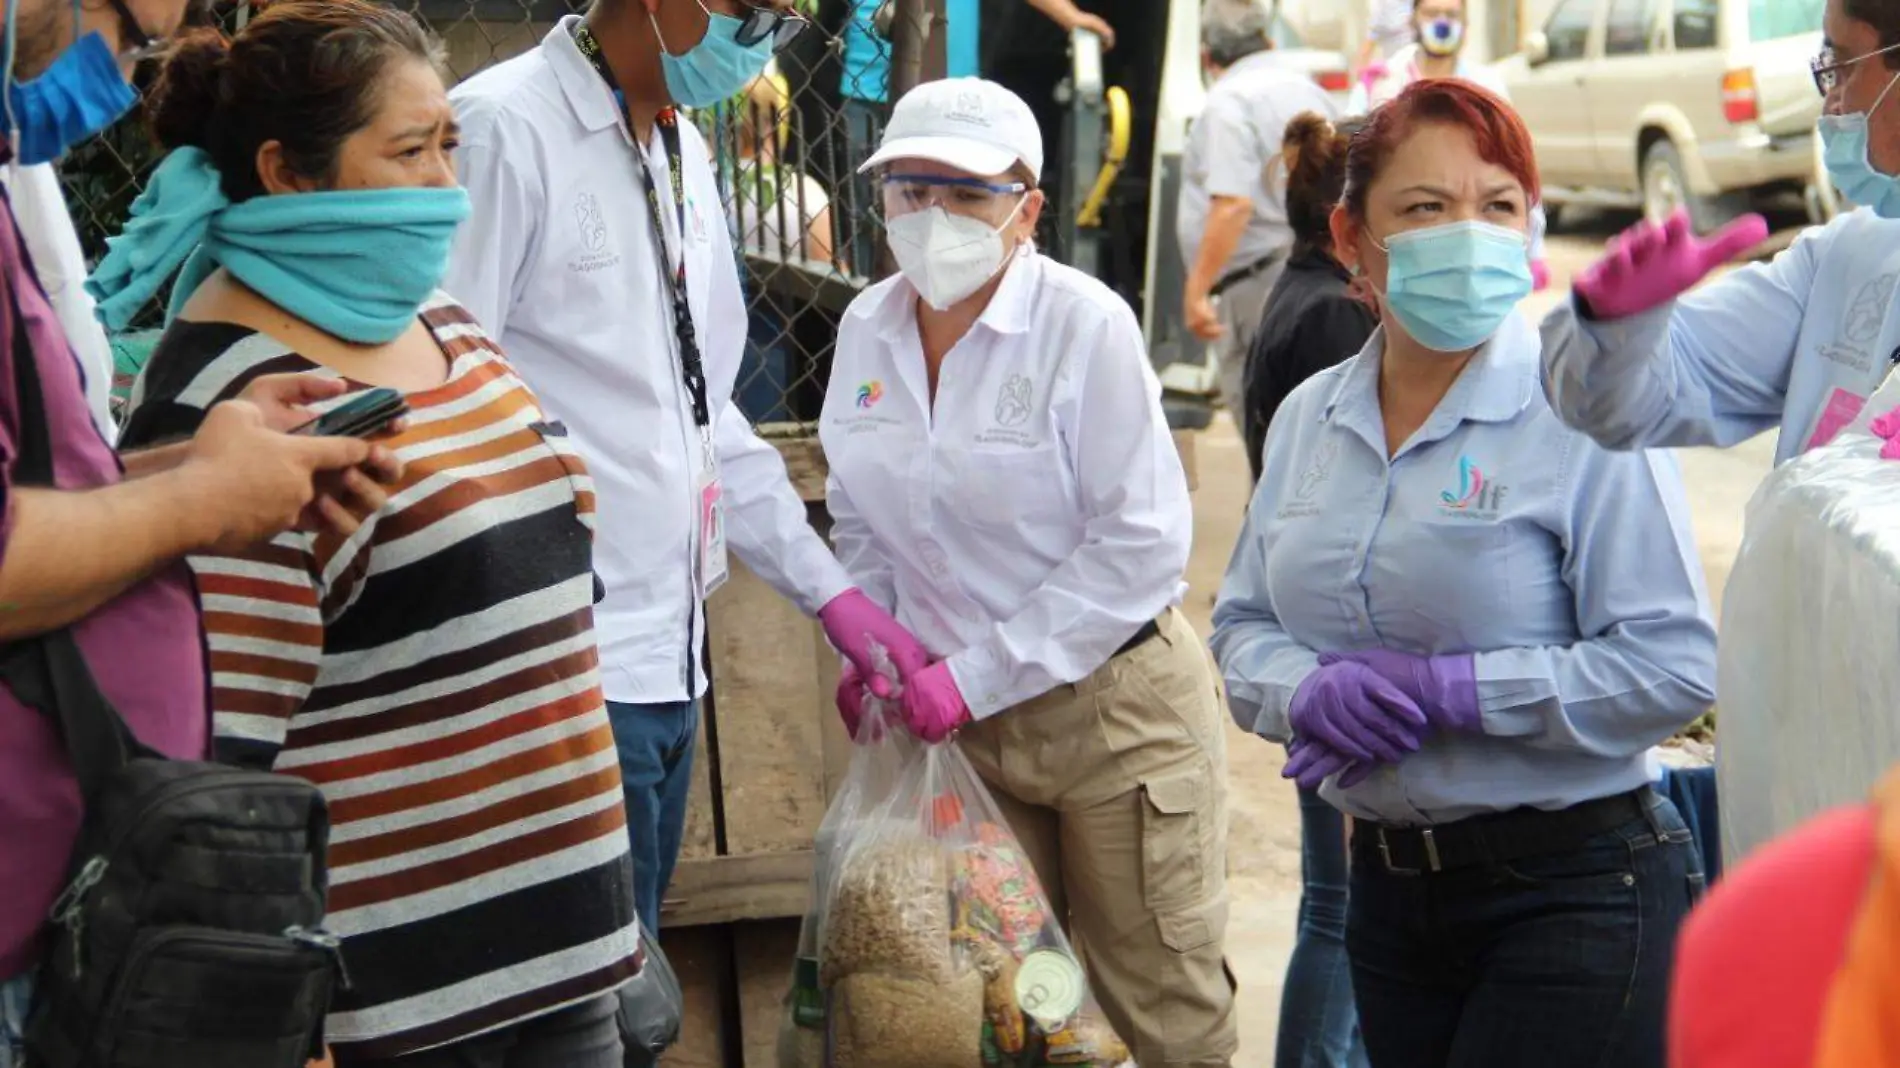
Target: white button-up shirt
{"type": "Point", "coordinates": [559, 262]}
{"type": "Point", "coordinates": [1039, 516]}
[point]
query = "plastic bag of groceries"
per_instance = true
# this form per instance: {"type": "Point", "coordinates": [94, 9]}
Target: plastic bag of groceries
{"type": "Point", "coordinates": [876, 762]}
{"type": "Point", "coordinates": [936, 944]}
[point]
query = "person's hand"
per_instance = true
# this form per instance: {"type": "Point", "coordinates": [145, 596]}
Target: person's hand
{"type": "Point", "coordinates": [1310, 763]}
{"type": "Point", "coordinates": [1445, 688]}
{"type": "Point", "coordinates": [1096, 25]}
{"type": "Point", "coordinates": [245, 482]}
{"type": "Point", "coordinates": [855, 625]}
{"type": "Point", "coordinates": [1349, 708]}
{"type": "Point", "coordinates": [851, 695]}
{"type": "Point", "coordinates": [1648, 265]}
{"type": "Point", "coordinates": [933, 706]}
{"type": "Point", "coordinates": [283, 399]}
{"type": "Point", "coordinates": [1202, 320]}
{"type": "Point", "coordinates": [326, 1062]}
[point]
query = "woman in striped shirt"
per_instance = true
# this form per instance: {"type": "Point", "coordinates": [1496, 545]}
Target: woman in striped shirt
{"type": "Point", "coordinates": [436, 672]}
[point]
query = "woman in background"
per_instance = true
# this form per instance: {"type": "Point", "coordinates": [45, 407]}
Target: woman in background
{"type": "Point", "coordinates": [1314, 319]}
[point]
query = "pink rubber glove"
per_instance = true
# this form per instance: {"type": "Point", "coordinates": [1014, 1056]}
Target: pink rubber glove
{"type": "Point", "coordinates": [1540, 275]}
{"type": "Point", "coordinates": [851, 695]}
{"type": "Point", "coordinates": [1647, 265]}
{"type": "Point", "coordinates": [1887, 429]}
{"type": "Point", "coordinates": [854, 623]}
{"type": "Point", "coordinates": [933, 706]}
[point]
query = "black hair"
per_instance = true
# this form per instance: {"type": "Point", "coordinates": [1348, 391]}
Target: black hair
{"type": "Point", "coordinates": [1884, 17]}
{"type": "Point", "coordinates": [304, 73]}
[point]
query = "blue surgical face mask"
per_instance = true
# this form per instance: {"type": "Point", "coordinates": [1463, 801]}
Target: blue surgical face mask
{"type": "Point", "coordinates": [1452, 286]}
{"type": "Point", "coordinates": [716, 68]}
{"type": "Point", "coordinates": [1442, 36]}
{"type": "Point", "coordinates": [1844, 143]}
{"type": "Point", "coordinates": [82, 93]}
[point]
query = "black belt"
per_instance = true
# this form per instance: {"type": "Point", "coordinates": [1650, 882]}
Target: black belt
{"type": "Point", "coordinates": [1241, 274]}
{"type": "Point", "coordinates": [1148, 630]}
{"type": "Point", "coordinates": [1495, 838]}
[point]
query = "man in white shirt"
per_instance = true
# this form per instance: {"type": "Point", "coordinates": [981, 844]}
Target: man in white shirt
{"type": "Point", "coordinates": [599, 256]}
{"type": "Point", "coordinates": [1231, 217]}
{"type": "Point", "coordinates": [47, 227]}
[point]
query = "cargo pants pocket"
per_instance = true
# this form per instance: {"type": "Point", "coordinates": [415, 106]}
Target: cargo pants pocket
{"type": "Point", "coordinates": [1175, 818]}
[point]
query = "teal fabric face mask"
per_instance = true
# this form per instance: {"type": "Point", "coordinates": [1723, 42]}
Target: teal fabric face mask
{"type": "Point", "coordinates": [1844, 148]}
{"type": "Point", "coordinates": [716, 68]}
{"type": "Point", "coordinates": [356, 264]}
{"type": "Point", "coordinates": [1452, 286]}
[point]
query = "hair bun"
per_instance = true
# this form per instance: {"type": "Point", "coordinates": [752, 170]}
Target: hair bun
{"type": "Point", "coordinates": [185, 99]}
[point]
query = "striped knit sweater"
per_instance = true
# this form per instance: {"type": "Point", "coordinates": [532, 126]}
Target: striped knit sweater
{"type": "Point", "coordinates": [436, 675]}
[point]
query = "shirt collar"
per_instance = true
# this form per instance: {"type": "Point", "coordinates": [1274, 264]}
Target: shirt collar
{"type": "Point", "coordinates": [593, 102]}
{"type": "Point", "coordinates": [1495, 387]}
{"type": "Point", "coordinates": [1262, 58]}
{"type": "Point", "coordinates": [1007, 313]}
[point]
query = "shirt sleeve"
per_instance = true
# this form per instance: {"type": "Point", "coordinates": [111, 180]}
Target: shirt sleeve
{"type": "Point", "coordinates": [1260, 663]}
{"type": "Point", "coordinates": [1136, 539]}
{"type": "Point", "coordinates": [1645, 664]}
{"type": "Point", "coordinates": [1234, 164]}
{"type": "Point", "coordinates": [857, 549]}
{"type": "Point", "coordinates": [47, 229]}
{"type": "Point", "coordinates": [497, 242]}
{"type": "Point", "coordinates": [1710, 369]}
{"type": "Point", "coordinates": [263, 624]}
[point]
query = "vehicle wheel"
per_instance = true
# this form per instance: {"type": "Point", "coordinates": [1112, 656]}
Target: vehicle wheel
{"type": "Point", "coordinates": [1666, 188]}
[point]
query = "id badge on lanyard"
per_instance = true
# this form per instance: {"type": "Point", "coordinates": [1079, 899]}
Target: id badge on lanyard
{"type": "Point", "coordinates": [709, 556]}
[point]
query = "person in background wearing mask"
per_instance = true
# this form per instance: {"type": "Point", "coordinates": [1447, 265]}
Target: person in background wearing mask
{"type": "Point", "coordinates": [1002, 477]}
{"type": "Point", "coordinates": [1316, 317]}
{"type": "Point", "coordinates": [599, 255]}
{"type": "Point", "coordinates": [1635, 360]}
{"type": "Point", "coordinates": [102, 550]}
{"type": "Point", "coordinates": [1231, 218]}
{"type": "Point", "coordinates": [1437, 50]}
{"type": "Point", "coordinates": [1470, 624]}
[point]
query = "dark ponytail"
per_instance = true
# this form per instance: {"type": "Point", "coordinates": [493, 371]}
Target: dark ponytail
{"type": "Point", "coordinates": [305, 73]}
{"type": "Point", "coordinates": [1314, 157]}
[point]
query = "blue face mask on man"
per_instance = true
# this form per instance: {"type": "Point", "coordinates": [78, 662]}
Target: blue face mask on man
{"type": "Point", "coordinates": [716, 68]}
{"type": "Point", "coordinates": [82, 93]}
{"type": "Point", "coordinates": [1844, 146]}
{"type": "Point", "coordinates": [1452, 286]}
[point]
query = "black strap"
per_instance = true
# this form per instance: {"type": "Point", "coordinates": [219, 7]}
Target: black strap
{"type": "Point", "coordinates": [692, 368]}
{"type": "Point", "coordinates": [49, 671]}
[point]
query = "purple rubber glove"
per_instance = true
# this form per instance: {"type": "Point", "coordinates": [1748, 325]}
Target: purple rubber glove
{"type": "Point", "coordinates": [1309, 764]}
{"type": "Point", "coordinates": [1445, 688]}
{"type": "Point", "coordinates": [1348, 708]}
{"type": "Point", "coordinates": [854, 624]}
{"type": "Point", "coordinates": [851, 695]}
{"type": "Point", "coordinates": [933, 706]}
{"type": "Point", "coordinates": [1647, 265]}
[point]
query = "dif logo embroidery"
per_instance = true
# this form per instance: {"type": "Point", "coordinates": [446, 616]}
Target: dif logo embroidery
{"type": "Point", "coordinates": [869, 393]}
{"type": "Point", "coordinates": [1476, 495]}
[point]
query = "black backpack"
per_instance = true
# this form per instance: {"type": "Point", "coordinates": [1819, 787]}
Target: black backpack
{"type": "Point", "coordinates": [189, 935]}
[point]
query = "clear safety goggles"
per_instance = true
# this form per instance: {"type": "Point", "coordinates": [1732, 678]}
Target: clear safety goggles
{"type": "Point", "coordinates": [904, 194]}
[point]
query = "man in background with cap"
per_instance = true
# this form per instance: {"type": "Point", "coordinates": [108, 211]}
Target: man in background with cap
{"type": "Point", "coordinates": [598, 256]}
{"type": "Point", "coordinates": [1231, 218]}
{"type": "Point", "coordinates": [1013, 494]}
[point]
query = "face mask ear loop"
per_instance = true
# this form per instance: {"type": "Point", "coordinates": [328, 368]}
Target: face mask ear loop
{"type": "Point", "coordinates": [1884, 93]}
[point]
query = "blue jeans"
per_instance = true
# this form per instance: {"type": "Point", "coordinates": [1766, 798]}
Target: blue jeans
{"type": "Point", "coordinates": [16, 996]}
{"type": "Point", "coordinates": [656, 771]}
{"type": "Point", "coordinates": [1319, 1027]}
{"type": "Point", "coordinates": [1558, 961]}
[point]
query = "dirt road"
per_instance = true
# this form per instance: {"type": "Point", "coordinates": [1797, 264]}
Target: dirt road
{"type": "Point", "coordinates": [1264, 842]}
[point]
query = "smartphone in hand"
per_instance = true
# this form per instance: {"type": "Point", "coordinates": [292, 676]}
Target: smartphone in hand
{"type": "Point", "coordinates": [360, 416]}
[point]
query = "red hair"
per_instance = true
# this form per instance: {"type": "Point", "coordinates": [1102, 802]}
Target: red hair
{"type": "Point", "coordinates": [1501, 137]}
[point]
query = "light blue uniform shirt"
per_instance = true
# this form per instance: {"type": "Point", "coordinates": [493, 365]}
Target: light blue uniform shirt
{"type": "Point", "coordinates": [867, 57]}
{"type": "Point", "coordinates": [1799, 342]}
{"type": "Point", "coordinates": [1569, 570]}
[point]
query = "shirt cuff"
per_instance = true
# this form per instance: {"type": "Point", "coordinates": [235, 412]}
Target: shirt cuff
{"type": "Point", "coordinates": [981, 680]}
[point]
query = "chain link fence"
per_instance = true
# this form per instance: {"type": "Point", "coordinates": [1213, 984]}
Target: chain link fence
{"type": "Point", "coordinates": [785, 152]}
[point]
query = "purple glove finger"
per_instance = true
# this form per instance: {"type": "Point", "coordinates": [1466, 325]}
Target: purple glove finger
{"type": "Point", "coordinates": [1354, 774]}
{"type": "Point", "coordinates": [856, 627]}
{"type": "Point", "coordinates": [933, 706]}
{"type": "Point", "coordinates": [1404, 723]}
{"type": "Point", "coordinates": [1317, 763]}
{"type": "Point", "coordinates": [1733, 240]}
{"type": "Point", "coordinates": [851, 700]}
{"type": "Point", "coordinates": [1891, 450]}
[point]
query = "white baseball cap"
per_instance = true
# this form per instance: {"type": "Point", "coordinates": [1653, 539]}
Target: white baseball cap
{"type": "Point", "coordinates": [967, 123]}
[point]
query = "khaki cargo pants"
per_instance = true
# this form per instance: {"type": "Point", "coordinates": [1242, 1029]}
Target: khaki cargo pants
{"type": "Point", "coordinates": [1117, 787]}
